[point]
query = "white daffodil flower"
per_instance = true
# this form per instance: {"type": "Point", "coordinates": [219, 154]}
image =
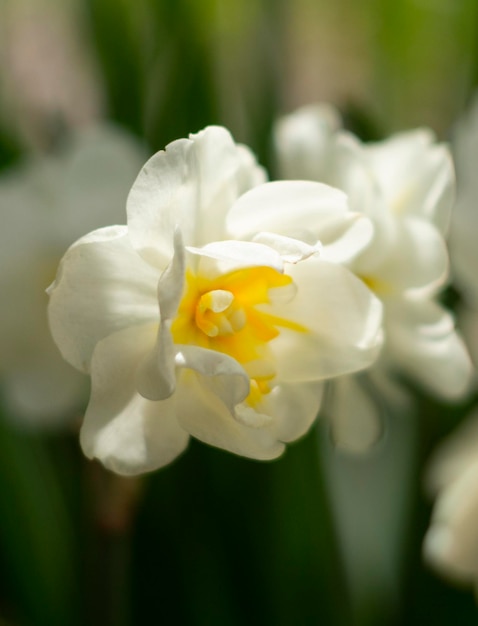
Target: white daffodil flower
{"type": "Point", "coordinates": [207, 315]}
{"type": "Point", "coordinates": [46, 203]}
{"type": "Point", "coordinates": [451, 542]}
{"type": "Point", "coordinates": [405, 186]}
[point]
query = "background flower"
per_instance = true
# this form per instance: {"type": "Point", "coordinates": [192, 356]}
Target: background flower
{"type": "Point", "coordinates": [46, 202]}
{"type": "Point", "coordinates": [405, 186]}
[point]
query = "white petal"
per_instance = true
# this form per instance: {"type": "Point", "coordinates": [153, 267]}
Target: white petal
{"type": "Point", "coordinates": [417, 257]}
{"type": "Point", "coordinates": [283, 207]}
{"type": "Point", "coordinates": [294, 408]}
{"type": "Point", "coordinates": [156, 378]}
{"type": "Point", "coordinates": [416, 175]}
{"type": "Point", "coordinates": [127, 433]}
{"type": "Point", "coordinates": [202, 413]}
{"type": "Point", "coordinates": [191, 184]}
{"type": "Point", "coordinates": [304, 141]}
{"type": "Point", "coordinates": [102, 285]}
{"type": "Point", "coordinates": [451, 543]}
{"type": "Point", "coordinates": [220, 373]}
{"type": "Point", "coordinates": [343, 319]}
{"type": "Point", "coordinates": [453, 457]}
{"type": "Point", "coordinates": [222, 257]}
{"type": "Point", "coordinates": [421, 339]}
{"type": "Point", "coordinates": [345, 239]}
{"type": "Point", "coordinates": [290, 250]}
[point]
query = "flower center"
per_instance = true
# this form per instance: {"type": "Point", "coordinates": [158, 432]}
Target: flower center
{"type": "Point", "coordinates": [222, 314]}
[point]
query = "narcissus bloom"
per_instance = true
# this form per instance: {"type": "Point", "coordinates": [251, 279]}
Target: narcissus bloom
{"type": "Point", "coordinates": [46, 203]}
{"type": "Point", "coordinates": [451, 542]}
{"type": "Point", "coordinates": [208, 315]}
{"type": "Point", "coordinates": [405, 186]}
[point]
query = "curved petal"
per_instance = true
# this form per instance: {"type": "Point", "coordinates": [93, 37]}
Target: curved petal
{"type": "Point", "coordinates": [453, 457]}
{"type": "Point", "coordinates": [294, 408]}
{"type": "Point", "coordinates": [290, 250]}
{"type": "Point", "coordinates": [191, 184]}
{"type": "Point", "coordinates": [345, 240]}
{"type": "Point", "coordinates": [102, 286]}
{"type": "Point", "coordinates": [416, 175]}
{"type": "Point", "coordinates": [343, 321]}
{"type": "Point", "coordinates": [127, 433]}
{"type": "Point", "coordinates": [156, 377]}
{"type": "Point", "coordinates": [451, 543]}
{"type": "Point", "coordinates": [202, 413]}
{"type": "Point", "coordinates": [222, 257]}
{"type": "Point", "coordinates": [421, 339]}
{"type": "Point", "coordinates": [279, 207]}
{"type": "Point", "coordinates": [303, 142]}
{"type": "Point", "coordinates": [417, 258]}
{"type": "Point", "coordinates": [220, 373]}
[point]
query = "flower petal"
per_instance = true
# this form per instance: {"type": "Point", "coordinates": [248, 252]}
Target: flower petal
{"type": "Point", "coordinates": [453, 457]}
{"type": "Point", "coordinates": [191, 184]}
{"type": "Point", "coordinates": [279, 207]}
{"type": "Point", "coordinates": [294, 408]}
{"type": "Point", "coordinates": [222, 257]}
{"type": "Point", "coordinates": [421, 339]}
{"type": "Point", "coordinates": [304, 141]}
{"type": "Point", "coordinates": [451, 544]}
{"type": "Point", "coordinates": [417, 257]}
{"type": "Point", "coordinates": [102, 286]}
{"type": "Point", "coordinates": [220, 373]}
{"type": "Point", "coordinates": [343, 321]}
{"type": "Point", "coordinates": [127, 433]}
{"type": "Point", "coordinates": [202, 413]}
{"type": "Point", "coordinates": [416, 175]}
{"type": "Point", "coordinates": [156, 377]}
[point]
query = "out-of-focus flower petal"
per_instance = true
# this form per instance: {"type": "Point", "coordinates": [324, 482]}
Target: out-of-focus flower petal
{"type": "Point", "coordinates": [425, 345]}
{"type": "Point", "coordinates": [304, 140]}
{"type": "Point", "coordinates": [416, 176]}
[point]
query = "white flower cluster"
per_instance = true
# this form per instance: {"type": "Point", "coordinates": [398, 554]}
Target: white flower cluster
{"type": "Point", "coordinates": [225, 302]}
{"type": "Point", "coordinates": [405, 187]}
{"type": "Point", "coordinates": [451, 543]}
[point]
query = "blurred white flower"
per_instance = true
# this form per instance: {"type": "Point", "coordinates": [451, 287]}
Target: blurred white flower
{"type": "Point", "coordinates": [405, 185]}
{"type": "Point", "coordinates": [451, 542]}
{"type": "Point", "coordinates": [205, 315]}
{"type": "Point", "coordinates": [46, 203]}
